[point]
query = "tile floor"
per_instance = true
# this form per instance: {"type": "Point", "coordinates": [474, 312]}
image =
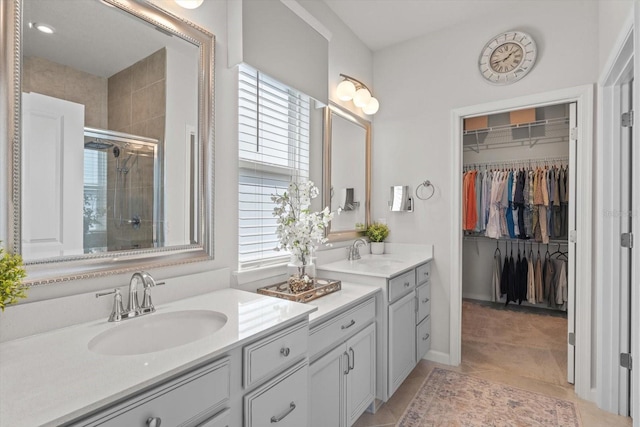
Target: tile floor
{"type": "Point", "coordinates": [519, 349]}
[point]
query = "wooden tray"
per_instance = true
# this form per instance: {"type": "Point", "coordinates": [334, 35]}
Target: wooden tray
{"type": "Point", "coordinates": [321, 288]}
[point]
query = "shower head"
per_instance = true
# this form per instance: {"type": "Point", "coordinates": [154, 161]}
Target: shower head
{"type": "Point", "coordinates": [98, 144]}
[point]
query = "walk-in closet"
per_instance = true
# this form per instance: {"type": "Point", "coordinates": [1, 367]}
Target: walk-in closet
{"type": "Point", "coordinates": [517, 216]}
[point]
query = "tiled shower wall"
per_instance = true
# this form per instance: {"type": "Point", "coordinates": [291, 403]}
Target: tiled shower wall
{"type": "Point", "coordinates": [137, 105]}
{"type": "Point", "coordinates": [60, 81]}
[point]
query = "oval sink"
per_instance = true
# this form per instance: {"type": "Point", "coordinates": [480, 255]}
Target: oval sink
{"type": "Point", "coordinates": [157, 331]}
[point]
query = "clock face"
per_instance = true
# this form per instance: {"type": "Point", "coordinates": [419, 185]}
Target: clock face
{"type": "Point", "coordinates": [507, 57]}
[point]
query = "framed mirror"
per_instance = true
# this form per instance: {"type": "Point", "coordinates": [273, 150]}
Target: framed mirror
{"type": "Point", "coordinates": [109, 132]}
{"type": "Point", "coordinates": [347, 172]}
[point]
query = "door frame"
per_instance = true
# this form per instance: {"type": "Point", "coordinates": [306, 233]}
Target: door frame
{"type": "Point", "coordinates": [584, 97]}
{"type": "Point", "coordinates": [608, 232]}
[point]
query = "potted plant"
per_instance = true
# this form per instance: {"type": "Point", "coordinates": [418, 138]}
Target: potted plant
{"type": "Point", "coordinates": [11, 274]}
{"type": "Point", "coordinates": [376, 233]}
{"type": "Point", "coordinates": [300, 231]}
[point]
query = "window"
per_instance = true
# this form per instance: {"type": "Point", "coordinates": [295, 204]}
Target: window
{"type": "Point", "coordinates": [273, 150]}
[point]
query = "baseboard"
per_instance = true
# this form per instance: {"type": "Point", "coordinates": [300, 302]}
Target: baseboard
{"type": "Point", "coordinates": [438, 357]}
{"type": "Point", "coordinates": [479, 297]}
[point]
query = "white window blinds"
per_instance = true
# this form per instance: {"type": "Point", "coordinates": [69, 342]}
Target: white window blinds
{"type": "Point", "coordinates": [273, 150]}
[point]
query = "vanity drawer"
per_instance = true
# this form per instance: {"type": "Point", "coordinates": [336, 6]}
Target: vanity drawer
{"type": "Point", "coordinates": [274, 353]}
{"type": "Point", "coordinates": [177, 403]}
{"type": "Point", "coordinates": [423, 293]}
{"type": "Point", "coordinates": [423, 337]}
{"type": "Point", "coordinates": [423, 273]}
{"type": "Point", "coordinates": [338, 328]}
{"type": "Point", "coordinates": [283, 400]}
{"type": "Point", "coordinates": [221, 419]}
{"type": "Point", "coordinates": [401, 285]}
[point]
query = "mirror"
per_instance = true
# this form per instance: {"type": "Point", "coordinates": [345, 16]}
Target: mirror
{"type": "Point", "coordinates": [111, 136]}
{"type": "Point", "coordinates": [347, 172]}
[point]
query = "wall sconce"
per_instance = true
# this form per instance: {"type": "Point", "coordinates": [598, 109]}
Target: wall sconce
{"type": "Point", "coordinates": [353, 89]}
{"type": "Point", "coordinates": [189, 4]}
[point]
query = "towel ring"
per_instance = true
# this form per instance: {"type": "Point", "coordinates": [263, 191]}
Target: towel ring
{"type": "Point", "coordinates": [425, 184]}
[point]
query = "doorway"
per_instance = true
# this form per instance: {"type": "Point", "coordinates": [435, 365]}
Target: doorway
{"type": "Point", "coordinates": [518, 266]}
{"type": "Point", "coordinates": [583, 99]}
{"type": "Point", "coordinates": [615, 229]}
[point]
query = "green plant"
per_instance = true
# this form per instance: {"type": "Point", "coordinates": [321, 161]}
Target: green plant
{"type": "Point", "coordinates": [11, 274]}
{"type": "Point", "coordinates": [377, 232]}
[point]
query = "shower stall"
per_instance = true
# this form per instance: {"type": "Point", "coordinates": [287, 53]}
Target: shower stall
{"type": "Point", "coordinates": [122, 191]}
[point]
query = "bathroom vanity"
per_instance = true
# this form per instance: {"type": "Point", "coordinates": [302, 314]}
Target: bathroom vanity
{"type": "Point", "coordinates": [252, 369]}
{"type": "Point", "coordinates": [403, 310]}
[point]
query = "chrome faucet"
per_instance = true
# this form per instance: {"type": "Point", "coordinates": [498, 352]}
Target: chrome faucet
{"type": "Point", "coordinates": [134, 309]}
{"type": "Point", "coordinates": [354, 250]}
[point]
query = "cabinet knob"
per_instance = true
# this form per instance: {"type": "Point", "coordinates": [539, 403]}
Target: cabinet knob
{"type": "Point", "coordinates": [406, 284]}
{"type": "Point", "coordinates": [426, 337]}
{"type": "Point", "coordinates": [426, 300]}
{"type": "Point", "coordinates": [285, 351]}
{"type": "Point", "coordinates": [154, 422]}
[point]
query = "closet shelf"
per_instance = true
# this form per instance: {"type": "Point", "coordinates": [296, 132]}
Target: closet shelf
{"type": "Point", "coordinates": [529, 134]}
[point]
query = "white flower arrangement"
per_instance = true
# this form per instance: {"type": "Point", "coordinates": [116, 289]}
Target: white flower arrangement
{"type": "Point", "coordinates": [300, 230]}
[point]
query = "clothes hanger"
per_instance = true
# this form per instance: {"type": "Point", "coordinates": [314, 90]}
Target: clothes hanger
{"type": "Point", "coordinates": [497, 251]}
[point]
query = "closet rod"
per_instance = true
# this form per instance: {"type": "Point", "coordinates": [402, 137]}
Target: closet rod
{"type": "Point", "coordinates": [544, 161]}
{"type": "Point", "coordinates": [507, 239]}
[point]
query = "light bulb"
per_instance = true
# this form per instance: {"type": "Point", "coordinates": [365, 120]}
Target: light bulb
{"type": "Point", "coordinates": [346, 90]}
{"type": "Point", "coordinates": [362, 97]}
{"type": "Point", "coordinates": [189, 4]}
{"type": "Point", "coordinates": [371, 107]}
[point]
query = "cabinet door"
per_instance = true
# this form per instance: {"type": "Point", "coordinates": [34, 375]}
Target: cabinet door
{"type": "Point", "coordinates": [402, 341]}
{"type": "Point", "coordinates": [328, 389]}
{"type": "Point", "coordinates": [361, 379]}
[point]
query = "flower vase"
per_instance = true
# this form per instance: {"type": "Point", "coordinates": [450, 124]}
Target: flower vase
{"type": "Point", "coordinates": [377, 248]}
{"type": "Point", "coordinates": [301, 274]}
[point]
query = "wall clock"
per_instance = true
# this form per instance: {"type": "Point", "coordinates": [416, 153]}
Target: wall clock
{"type": "Point", "coordinates": [507, 57]}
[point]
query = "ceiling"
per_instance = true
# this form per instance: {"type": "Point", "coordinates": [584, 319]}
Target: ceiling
{"type": "Point", "coordinates": [91, 37]}
{"type": "Point", "coordinates": [382, 23]}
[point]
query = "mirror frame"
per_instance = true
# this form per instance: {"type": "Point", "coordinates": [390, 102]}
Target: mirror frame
{"type": "Point", "coordinates": [53, 270]}
{"type": "Point", "coordinates": [326, 175]}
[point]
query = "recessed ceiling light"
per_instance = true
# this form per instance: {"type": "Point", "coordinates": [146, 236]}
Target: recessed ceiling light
{"type": "Point", "coordinates": [44, 28]}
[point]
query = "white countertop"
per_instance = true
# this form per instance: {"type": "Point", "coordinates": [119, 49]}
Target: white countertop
{"type": "Point", "coordinates": [51, 378]}
{"type": "Point", "coordinates": [385, 266]}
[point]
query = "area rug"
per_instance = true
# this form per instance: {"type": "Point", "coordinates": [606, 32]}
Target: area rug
{"type": "Point", "coordinates": [448, 398]}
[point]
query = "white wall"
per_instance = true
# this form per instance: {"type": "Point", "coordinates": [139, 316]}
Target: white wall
{"type": "Point", "coordinates": [611, 16]}
{"type": "Point", "coordinates": [420, 81]}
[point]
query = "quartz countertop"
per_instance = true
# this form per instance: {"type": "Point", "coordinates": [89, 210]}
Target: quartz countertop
{"type": "Point", "coordinates": [384, 266]}
{"type": "Point", "coordinates": [52, 378]}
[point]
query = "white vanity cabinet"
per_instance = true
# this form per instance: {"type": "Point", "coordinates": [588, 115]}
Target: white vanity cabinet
{"type": "Point", "coordinates": [185, 401]}
{"type": "Point", "coordinates": [401, 336]}
{"type": "Point", "coordinates": [343, 376]}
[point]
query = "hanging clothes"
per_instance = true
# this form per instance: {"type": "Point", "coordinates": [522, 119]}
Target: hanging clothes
{"type": "Point", "coordinates": [497, 264]}
{"type": "Point", "coordinates": [509, 210]}
{"type": "Point", "coordinates": [539, 279]}
{"type": "Point", "coordinates": [531, 281]}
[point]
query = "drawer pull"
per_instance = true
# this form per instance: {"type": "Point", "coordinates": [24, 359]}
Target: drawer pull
{"type": "Point", "coordinates": [406, 284]}
{"type": "Point", "coordinates": [426, 273]}
{"type": "Point", "coordinates": [154, 422]}
{"type": "Point", "coordinates": [285, 351]}
{"type": "Point", "coordinates": [426, 300]}
{"type": "Point", "coordinates": [275, 419]}
{"type": "Point", "coordinates": [426, 337]}
{"type": "Point", "coordinates": [352, 358]}
{"type": "Point", "coordinates": [350, 324]}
